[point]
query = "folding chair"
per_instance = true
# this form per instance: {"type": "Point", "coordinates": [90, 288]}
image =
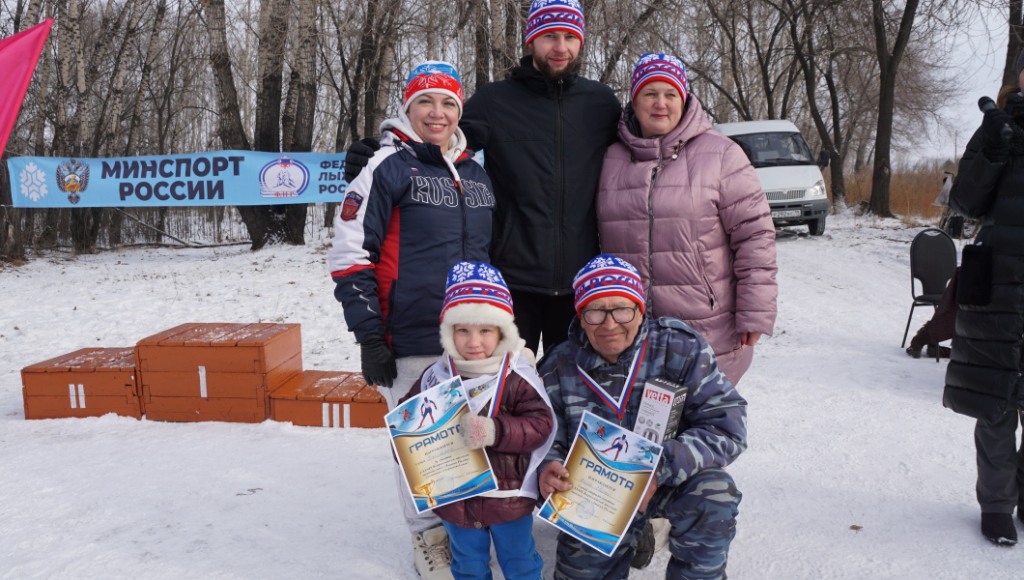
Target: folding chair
{"type": "Point", "coordinates": [932, 263]}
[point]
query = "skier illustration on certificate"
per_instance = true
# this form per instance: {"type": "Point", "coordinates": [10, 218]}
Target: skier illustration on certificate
{"type": "Point", "coordinates": [619, 444]}
{"type": "Point", "coordinates": [426, 410]}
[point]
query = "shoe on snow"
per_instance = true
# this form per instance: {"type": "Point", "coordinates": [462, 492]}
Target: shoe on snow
{"type": "Point", "coordinates": [913, 352]}
{"type": "Point", "coordinates": [433, 557]}
{"type": "Point", "coordinates": [999, 529]}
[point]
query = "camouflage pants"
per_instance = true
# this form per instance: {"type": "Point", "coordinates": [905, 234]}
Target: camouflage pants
{"type": "Point", "coordinates": [702, 512]}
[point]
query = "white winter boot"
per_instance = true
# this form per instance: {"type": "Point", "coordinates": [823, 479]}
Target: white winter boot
{"type": "Point", "coordinates": [432, 555]}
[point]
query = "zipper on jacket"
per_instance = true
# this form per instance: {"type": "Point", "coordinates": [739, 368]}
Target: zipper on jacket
{"type": "Point", "coordinates": [465, 218]}
{"type": "Point", "coordinates": [650, 234]}
{"type": "Point", "coordinates": [559, 188]}
{"type": "Point", "coordinates": [704, 277]}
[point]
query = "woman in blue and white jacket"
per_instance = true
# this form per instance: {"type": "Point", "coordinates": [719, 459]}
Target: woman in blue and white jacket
{"type": "Point", "coordinates": [420, 206]}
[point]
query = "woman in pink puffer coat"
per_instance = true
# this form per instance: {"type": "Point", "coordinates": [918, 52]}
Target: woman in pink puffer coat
{"type": "Point", "coordinates": [683, 204]}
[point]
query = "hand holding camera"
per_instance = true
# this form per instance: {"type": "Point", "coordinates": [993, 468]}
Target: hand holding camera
{"type": "Point", "coordinates": [995, 127]}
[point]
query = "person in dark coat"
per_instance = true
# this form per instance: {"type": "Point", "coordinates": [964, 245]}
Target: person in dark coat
{"type": "Point", "coordinates": [422, 205]}
{"type": "Point", "coordinates": [984, 378]}
{"type": "Point", "coordinates": [544, 132]}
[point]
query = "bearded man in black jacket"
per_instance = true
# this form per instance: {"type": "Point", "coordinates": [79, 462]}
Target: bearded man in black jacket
{"type": "Point", "coordinates": [544, 131]}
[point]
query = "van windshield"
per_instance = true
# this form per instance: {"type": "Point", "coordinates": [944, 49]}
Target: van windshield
{"type": "Point", "coordinates": [773, 149]}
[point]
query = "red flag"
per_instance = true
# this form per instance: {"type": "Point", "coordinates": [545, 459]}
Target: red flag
{"type": "Point", "coordinates": [18, 57]}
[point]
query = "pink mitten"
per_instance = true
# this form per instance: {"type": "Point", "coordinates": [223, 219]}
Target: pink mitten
{"type": "Point", "coordinates": [477, 431]}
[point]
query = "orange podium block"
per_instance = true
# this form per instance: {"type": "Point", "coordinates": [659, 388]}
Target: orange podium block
{"type": "Point", "coordinates": [216, 371]}
{"type": "Point", "coordinates": [86, 383]}
{"type": "Point", "coordinates": [328, 399]}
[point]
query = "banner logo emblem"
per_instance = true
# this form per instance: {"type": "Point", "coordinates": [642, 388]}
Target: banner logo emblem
{"type": "Point", "coordinates": [72, 179]}
{"type": "Point", "coordinates": [283, 177]}
{"type": "Point", "coordinates": [32, 181]}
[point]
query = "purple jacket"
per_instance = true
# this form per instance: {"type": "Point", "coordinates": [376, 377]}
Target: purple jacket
{"type": "Point", "coordinates": [687, 210]}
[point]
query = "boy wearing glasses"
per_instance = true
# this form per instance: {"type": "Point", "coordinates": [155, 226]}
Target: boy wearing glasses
{"type": "Point", "coordinates": [611, 354]}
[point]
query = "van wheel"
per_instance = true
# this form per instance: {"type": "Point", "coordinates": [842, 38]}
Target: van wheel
{"type": "Point", "coordinates": [816, 227]}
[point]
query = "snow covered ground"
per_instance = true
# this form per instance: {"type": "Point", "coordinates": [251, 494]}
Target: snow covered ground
{"type": "Point", "coordinates": [854, 471]}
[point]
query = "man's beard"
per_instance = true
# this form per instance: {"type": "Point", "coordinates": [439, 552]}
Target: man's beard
{"type": "Point", "coordinates": [546, 70]}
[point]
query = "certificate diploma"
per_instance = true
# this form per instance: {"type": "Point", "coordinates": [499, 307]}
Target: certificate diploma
{"type": "Point", "coordinates": [439, 469]}
{"type": "Point", "coordinates": [610, 468]}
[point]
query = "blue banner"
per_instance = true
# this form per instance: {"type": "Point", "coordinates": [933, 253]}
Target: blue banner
{"type": "Point", "coordinates": [199, 179]}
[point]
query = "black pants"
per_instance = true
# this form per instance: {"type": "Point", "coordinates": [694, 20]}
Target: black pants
{"type": "Point", "coordinates": [1000, 465]}
{"type": "Point", "coordinates": [540, 315]}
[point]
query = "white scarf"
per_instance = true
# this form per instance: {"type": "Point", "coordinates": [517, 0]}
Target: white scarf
{"type": "Point", "coordinates": [456, 143]}
{"type": "Point", "coordinates": [520, 363]}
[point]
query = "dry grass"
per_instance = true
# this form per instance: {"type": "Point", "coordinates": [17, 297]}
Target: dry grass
{"type": "Point", "coordinates": [912, 192]}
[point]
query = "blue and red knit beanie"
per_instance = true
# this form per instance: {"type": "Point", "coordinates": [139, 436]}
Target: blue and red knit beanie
{"type": "Point", "coordinates": [606, 276]}
{"type": "Point", "coordinates": [658, 67]}
{"type": "Point", "coordinates": [554, 15]}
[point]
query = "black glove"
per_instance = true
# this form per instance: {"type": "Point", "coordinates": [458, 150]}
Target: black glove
{"type": "Point", "coordinates": [994, 126]}
{"type": "Point", "coordinates": [378, 362]}
{"type": "Point", "coordinates": [358, 155]}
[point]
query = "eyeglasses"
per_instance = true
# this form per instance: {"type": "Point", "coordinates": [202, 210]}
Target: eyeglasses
{"type": "Point", "coordinates": [596, 316]}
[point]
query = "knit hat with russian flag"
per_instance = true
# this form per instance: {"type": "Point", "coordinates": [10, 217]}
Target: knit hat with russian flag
{"type": "Point", "coordinates": [606, 276]}
{"type": "Point", "coordinates": [658, 67]}
{"type": "Point", "coordinates": [433, 76]}
{"type": "Point", "coordinates": [554, 15]}
{"type": "Point", "coordinates": [476, 293]}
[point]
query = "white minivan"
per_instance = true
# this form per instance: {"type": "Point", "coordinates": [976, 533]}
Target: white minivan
{"type": "Point", "coordinates": [790, 176]}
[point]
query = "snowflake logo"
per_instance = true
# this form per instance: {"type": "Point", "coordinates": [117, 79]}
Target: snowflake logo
{"type": "Point", "coordinates": [32, 182]}
{"type": "Point", "coordinates": [461, 272]}
{"type": "Point", "coordinates": [490, 274]}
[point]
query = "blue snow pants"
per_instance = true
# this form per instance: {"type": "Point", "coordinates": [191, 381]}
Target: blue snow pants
{"type": "Point", "coordinates": [513, 544]}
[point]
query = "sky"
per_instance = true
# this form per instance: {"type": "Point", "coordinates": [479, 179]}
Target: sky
{"type": "Point", "coordinates": [976, 57]}
{"type": "Point", "coordinates": [854, 469]}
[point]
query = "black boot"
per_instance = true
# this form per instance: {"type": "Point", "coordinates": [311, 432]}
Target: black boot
{"type": "Point", "coordinates": [644, 548]}
{"type": "Point", "coordinates": [999, 529]}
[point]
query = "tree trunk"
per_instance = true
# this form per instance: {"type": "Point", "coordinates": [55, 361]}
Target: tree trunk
{"type": "Point", "coordinates": [888, 63]}
{"type": "Point", "coordinates": [481, 45]}
{"type": "Point", "coordinates": [303, 87]}
{"type": "Point", "coordinates": [1015, 43]}
{"type": "Point", "coordinates": [515, 14]}
{"type": "Point", "coordinates": [257, 219]}
{"type": "Point", "coordinates": [268, 224]}
{"type": "Point", "coordinates": [229, 118]}
{"type": "Point", "coordinates": [144, 79]}
{"type": "Point", "coordinates": [380, 55]}
{"type": "Point", "coordinates": [802, 33]}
